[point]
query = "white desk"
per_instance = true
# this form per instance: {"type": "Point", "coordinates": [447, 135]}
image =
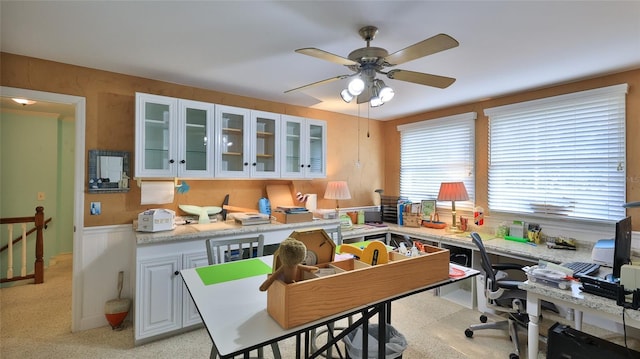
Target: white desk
{"type": "Point", "coordinates": [574, 298]}
{"type": "Point", "coordinates": [235, 312]}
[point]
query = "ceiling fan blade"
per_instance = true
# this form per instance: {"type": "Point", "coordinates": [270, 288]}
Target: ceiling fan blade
{"type": "Point", "coordinates": [421, 78]}
{"type": "Point", "coordinates": [323, 55]}
{"type": "Point", "coordinates": [423, 48]}
{"type": "Point", "coordinates": [322, 82]}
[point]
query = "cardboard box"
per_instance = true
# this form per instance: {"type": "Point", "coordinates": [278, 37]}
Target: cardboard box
{"type": "Point", "coordinates": [283, 217]}
{"type": "Point", "coordinates": [349, 284]}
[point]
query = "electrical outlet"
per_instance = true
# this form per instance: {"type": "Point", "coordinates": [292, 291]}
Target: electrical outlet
{"type": "Point", "coordinates": [41, 196]}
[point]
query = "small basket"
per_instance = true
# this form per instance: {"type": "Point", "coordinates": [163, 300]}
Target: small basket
{"type": "Point", "coordinates": [411, 219]}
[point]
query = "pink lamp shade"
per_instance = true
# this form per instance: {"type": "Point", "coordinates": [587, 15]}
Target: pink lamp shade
{"type": "Point", "coordinates": [337, 190]}
{"type": "Point", "coordinates": [453, 191]}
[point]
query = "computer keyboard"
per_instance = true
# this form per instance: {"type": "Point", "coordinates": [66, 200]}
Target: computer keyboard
{"type": "Point", "coordinates": [582, 268]}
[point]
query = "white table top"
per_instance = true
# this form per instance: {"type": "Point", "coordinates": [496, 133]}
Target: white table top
{"type": "Point", "coordinates": [235, 312]}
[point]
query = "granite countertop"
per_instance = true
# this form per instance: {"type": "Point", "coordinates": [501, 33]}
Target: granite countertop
{"type": "Point", "coordinates": [580, 299]}
{"type": "Point", "coordinates": [219, 229]}
{"type": "Point", "coordinates": [499, 245]}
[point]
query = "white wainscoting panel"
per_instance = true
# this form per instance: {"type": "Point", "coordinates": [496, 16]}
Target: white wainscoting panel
{"type": "Point", "coordinates": [106, 250]}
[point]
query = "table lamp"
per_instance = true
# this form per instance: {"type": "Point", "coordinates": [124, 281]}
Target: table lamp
{"type": "Point", "coordinates": [453, 191]}
{"type": "Point", "coordinates": [337, 190]}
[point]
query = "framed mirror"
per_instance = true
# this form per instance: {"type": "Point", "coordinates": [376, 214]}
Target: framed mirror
{"type": "Point", "coordinates": [109, 171]}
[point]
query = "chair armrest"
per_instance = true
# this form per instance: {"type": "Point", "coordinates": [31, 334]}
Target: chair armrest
{"type": "Point", "coordinates": [508, 284]}
{"type": "Point", "coordinates": [507, 266]}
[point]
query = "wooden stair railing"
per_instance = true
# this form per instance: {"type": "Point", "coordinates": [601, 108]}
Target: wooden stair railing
{"type": "Point", "coordinates": [39, 222]}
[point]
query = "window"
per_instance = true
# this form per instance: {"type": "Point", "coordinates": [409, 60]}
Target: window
{"type": "Point", "coordinates": [436, 151]}
{"type": "Point", "coordinates": [562, 156]}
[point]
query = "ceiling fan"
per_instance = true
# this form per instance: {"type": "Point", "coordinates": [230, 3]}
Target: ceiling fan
{"type": "Point", "coordinates": [367, 61]}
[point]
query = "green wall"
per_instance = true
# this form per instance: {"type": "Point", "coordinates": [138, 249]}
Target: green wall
{"type": "Point", "coordinates": [36, 155]}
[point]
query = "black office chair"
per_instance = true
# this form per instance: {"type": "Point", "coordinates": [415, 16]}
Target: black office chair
{"type": "Point", "coordinates": [502, 295]}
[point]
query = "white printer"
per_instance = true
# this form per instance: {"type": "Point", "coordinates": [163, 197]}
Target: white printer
{"type": "Point", "coordinates": [156, 220]}
{"type": "Point", "coordinates": [602, 252]}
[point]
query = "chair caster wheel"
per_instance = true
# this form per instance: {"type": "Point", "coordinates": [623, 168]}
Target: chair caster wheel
{"type": "Point", "coordinates": [468, 333]}
{"type": "Point", "coordinates": [513, 356]}
{"type": "Point", "coordinates": [483, 318]}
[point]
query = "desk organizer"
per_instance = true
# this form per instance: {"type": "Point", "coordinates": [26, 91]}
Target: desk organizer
{"type": "Point", "coordinates": [343, 285]}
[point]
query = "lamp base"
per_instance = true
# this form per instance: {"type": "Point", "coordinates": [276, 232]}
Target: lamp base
{"type": "Point", "coordinates": [454, 230]}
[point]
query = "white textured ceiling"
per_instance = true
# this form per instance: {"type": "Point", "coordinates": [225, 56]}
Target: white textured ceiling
{"type": "Point", "coordinates": [247, 47]}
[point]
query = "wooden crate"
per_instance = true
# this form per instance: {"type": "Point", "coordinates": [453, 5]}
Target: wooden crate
{"type": "Point", "coordinates": [354, 284]}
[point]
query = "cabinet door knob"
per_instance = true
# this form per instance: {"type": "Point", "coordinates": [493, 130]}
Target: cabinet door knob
{"type": "Point", "coordinates": [171, 161]}
{"type": "Point", "coordinates": [176, 272]}
{"type": "Point", "coordinates": [246, 163]}
{"type": "Point", "coordinates": [183, 161]}
{"type": "Point", "coordinates": [254, 164]}
{"type": "Point", "coordinates": [309, 166]}
{"type": "Point", "coordinates": [301, 166]}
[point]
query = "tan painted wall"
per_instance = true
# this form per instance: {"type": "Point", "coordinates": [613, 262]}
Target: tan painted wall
{"type": "Point", "coordinates": [632, 78]}
{"type": "Point", "coordinates": [110, 115]}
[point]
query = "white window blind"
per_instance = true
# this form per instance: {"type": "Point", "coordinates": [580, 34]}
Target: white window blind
{"type": "Point", "coordinates": [436, 151]}
{"type": "Point", "coordinates": [562, 156]}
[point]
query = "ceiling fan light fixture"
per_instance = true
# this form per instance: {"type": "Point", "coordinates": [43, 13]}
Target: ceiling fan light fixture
{"type": "Point", "coordinates": [386, 93]}
{"type": "Point", "coordinates": [375, 101]}
{"type": "Point", "coordinates": [346, 95]}
{"type": "Point", "coordinates": [356, 86]}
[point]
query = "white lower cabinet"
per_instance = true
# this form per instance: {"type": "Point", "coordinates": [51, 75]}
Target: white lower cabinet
{"type": "Point", "coordinates": [159, 297]}
{"type": "Point", "coordinates": [190, 315]}
{"type": "Point", "coordinates": [163, 304]}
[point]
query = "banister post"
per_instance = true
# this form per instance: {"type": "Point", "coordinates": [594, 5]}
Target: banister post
{"type": "Point", "coordinates": [39, 263]}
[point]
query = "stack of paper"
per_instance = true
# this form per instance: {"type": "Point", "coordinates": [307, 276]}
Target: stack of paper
{"type": "Point", "coordinates": [252, 218]}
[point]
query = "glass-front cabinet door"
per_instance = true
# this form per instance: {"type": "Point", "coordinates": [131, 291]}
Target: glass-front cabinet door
{"type": "Point", "coordinates": [292, 128]}
{"type": "Point", "coordinates": [265, 144]}
{"type": "Point", "coordinates": [316, 149]}
{"type": "Point", "coordinates": [195, 155]}
{"type": "Point", "coordinates": [232, 135]}
{"type": "Point", "coordinates": [304, 147]}
{"type": "Point", "coordinates": [156, 137]}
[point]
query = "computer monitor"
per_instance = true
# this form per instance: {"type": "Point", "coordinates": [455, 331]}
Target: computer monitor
{"type": "Point", "coordinates": [622, 247]}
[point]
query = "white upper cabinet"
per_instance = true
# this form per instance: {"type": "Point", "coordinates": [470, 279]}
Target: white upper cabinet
{"type": "Point", "coordinates": [191, 139]}
{"type": "Point", "coordinates": [233, 142]}
{"type": "Point", "coordinates": [304, 147]}
{"type": "Point", "coordinates": [196, 150]}
{"type": "Point", "coordinates": [173, 137]}
{"type": "Point", "coordinates": [265, 145]}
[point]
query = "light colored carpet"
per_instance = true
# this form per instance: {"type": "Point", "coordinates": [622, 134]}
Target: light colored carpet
{"type": "Point", "coordinates": [36, 321]}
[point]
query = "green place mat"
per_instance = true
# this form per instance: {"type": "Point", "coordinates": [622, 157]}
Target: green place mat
{"type": "Point", "coordinates": [232, 271]}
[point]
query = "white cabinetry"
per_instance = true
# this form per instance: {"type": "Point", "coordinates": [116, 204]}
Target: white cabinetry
{"type": "Point", "coordinates": [163, 305]}
{"type": "Point", "coordinates": [304, 147]}
{"type": "Point", "coordinates": [265, 144]}
{"type": "Point", "coordinates": [173, 137]}
{"type": "Point", "coordinates": [248, 143]}
{"type": "Point", "coordinates": [159, 296]}
{"type": "Point", "coordinates": [190, 315]}
{"type": "Point", "coordinates": [232, 136]}
{"type": "Point", "coordinates": [190, 139]}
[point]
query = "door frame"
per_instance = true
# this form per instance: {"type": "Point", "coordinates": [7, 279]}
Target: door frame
{"type": "Point", "coordinates": [78, 191]}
